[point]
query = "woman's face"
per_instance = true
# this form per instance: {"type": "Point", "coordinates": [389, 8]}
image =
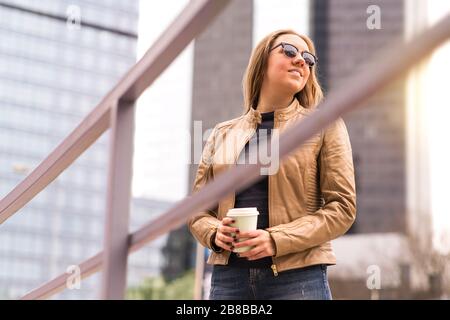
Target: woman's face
{"type": "Point", "coordinates": [284, 74]}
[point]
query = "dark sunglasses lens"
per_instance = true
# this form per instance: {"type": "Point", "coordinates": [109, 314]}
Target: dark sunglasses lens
{"type": "Point", "coordinates": [309, 58]}
{"type": "Point", "coordinates": [290, 51]}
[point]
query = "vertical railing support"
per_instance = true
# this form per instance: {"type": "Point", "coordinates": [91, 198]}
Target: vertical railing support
{"type": "Point", "coordinates": [199, 272]}
{"type": "Point", "coordinates": [118, 201]}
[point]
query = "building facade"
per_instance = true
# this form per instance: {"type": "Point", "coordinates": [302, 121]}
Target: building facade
{"type": "Point", "coordinates": [57, 60]}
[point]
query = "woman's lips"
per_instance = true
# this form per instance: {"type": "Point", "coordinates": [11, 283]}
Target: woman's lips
{"type": "Point", "coordinates": [295, 72]}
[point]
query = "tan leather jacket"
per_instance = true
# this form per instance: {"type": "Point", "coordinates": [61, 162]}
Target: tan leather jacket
{"type": "Point", "coordinates": [312, 197]}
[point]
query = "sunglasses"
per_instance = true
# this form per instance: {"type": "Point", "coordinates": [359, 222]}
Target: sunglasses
{"type": "Point", "coordinates": [291, 52]}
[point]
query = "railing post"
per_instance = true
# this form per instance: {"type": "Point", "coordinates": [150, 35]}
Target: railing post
{"type": "Point", "coordinates": [118, 201]}
{"type": "Point", "coordinates": [199, 272]}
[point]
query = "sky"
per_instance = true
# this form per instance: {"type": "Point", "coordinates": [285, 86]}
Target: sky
{"type": "Point", "coordinates": [163, 113]}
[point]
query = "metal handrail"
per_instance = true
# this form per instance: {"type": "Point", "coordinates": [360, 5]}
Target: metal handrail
{"type": "Point", "coordinates": [191, 21]}
{"type": "Point", "coordinates": [371, 78]}
{"type": "Point", "coordinates": [194, 18]}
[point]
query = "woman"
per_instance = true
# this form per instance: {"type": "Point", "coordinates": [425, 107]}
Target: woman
{"type": "Point", "coordinates": [310, 200]}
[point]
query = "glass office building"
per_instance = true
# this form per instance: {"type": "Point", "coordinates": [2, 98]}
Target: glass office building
{"type": "Point", "coordinates": [58, 58]}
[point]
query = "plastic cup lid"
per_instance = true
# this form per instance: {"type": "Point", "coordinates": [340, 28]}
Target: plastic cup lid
{"type": "Point", "coordinates": [237, 212]}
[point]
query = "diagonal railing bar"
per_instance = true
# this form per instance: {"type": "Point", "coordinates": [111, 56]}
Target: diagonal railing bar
{"type": "Point", "coordinates": [373, 77]}
{"type": "Point", "coordinates": [191, 21]}
{"type": "Point", "coordinates": [87, 268]}
{"type": "Point", "coordinates": [90, 129]}
{"type": "Point", "coordinates": [194, 18]}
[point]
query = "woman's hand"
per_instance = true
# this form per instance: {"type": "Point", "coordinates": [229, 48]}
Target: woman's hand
{"type": "Point", "coordinates": [223, 237]}
{"type": "Point", "coordinates": [263, 243]}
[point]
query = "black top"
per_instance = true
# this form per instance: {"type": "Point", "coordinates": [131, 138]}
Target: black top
{"type": "Point", "coordinates": [255, 195]}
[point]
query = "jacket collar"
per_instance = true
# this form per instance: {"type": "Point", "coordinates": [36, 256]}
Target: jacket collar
{"type": "Point", "coordinates": [281, 114]}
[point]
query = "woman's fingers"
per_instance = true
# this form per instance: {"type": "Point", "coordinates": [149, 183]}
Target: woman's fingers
{"type": "Point", "coordinates": [251, 234]}
{"type": "Point", "coordinates": [224, 237]}
{"type": "Point", "coordinates": [225, 245]}
{"type": "Point", "coordinates": [251, 253]}
{"type": "Point", "coordinates": [227, 221]}
{"type": "Point", "coordinates": [259, 255]}
{"type": "Point", "coordinates": [226, 229]}
{"type": "Point", "coordinates": [248, 243]}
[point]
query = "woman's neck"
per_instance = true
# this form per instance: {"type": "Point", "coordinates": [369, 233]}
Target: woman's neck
{"type": "Point", "coordinates": [271, 103]}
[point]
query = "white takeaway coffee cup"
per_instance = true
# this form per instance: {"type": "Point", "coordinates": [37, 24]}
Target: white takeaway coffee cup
{"type": "Point", "coordinates": [246, 219]}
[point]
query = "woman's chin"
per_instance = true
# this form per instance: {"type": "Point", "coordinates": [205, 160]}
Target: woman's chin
{"type": "Point", "coordinates": [294, 87]}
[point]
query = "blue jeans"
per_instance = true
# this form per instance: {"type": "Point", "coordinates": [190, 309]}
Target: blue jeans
{"type": "Point", "coordinates": [230, 283]}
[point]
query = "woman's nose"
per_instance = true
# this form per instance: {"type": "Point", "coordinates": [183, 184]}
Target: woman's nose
{"type": "Point", "coordinates": [298, 60]}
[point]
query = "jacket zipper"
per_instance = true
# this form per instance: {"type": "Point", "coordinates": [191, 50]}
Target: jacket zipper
{"type": "Point", "coordinates": [274, 269]}
{"type": "Point", "coordinates": [273, 266]}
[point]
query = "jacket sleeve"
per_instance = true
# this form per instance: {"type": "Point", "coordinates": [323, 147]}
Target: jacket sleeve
{"type": "Point", "coordinates": [337, 185]}
{"type": "Point", "coordinates": [203, 225]}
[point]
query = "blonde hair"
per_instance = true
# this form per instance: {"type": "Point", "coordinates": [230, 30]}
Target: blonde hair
{"type": "Point", "coordinates": [309, 97]}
